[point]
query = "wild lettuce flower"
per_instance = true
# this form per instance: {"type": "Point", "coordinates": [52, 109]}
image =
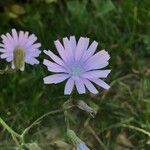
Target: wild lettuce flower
{"type": "Point", "coordinates": [19, 48]}
{"type": "Point", "coordinates": [78, 63]}
{"type": "Point", "coordinates": [76, 141]}
{"type": "Point", "coordinates": [82, 146]}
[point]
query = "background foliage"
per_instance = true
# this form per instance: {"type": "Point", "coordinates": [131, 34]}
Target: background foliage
{"type": "Point", "coordinates": [122, 28]}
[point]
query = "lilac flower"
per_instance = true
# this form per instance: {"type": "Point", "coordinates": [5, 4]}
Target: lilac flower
{"type": "Point", "coordinates": [82, 146]}
{"type": "Point", "coordinates": [19, 48]}
{"type": "Point", "coordinates": [78, 63]}
{"type": "Point", "coordinates": [76, 141]}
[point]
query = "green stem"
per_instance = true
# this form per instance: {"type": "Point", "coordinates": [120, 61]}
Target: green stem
{"type": "Point", "coordinates": [65, 105]}
{"type": "Point", "coordinates": [14, 134]}
{"type": "Point", "coordinates": [9, 128]}
{"type": "Point", "coordinates": [16, 140]}
{"type": "Point", "coordinates": [40, 118]}
{"type": "Point", "coordinates": [66, 119]}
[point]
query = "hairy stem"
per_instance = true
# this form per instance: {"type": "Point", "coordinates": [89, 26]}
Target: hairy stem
{"type": "Point", "coordinates": [40, 118]}
{"type": "Point", "coordinates": [9, 128]}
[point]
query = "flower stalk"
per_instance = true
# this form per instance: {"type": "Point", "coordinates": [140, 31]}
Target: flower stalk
{"type": "Point", "coordinates": [9, 129]}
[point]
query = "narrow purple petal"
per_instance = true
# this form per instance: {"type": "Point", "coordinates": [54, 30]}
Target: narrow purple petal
{"type": "Point", "coordinates": [90, 86]}
{"type": "Point", "coordinates": [53, 67]}
{"type": "Point", "coordinates": [55, 58]}
{"type": "Point", "coordinates": [2, 45]}
{"type": "Point", "coordinates": [10, 38]}
{"type": "Point", "coordinates": [33, 53]}
{"type": "Point", "coordinates": [5, 55]}
{"type": "Point", "coordinates": [80, 86]}
{"type": "Point", "coordinates": [31, 39]}
{"type": "Point", "coordinates": [82, 146]}
{"type": "Point", "coordinates": [31, 60]}
{"type": "Point", "coordinates": [57, 78]}
{"type": "Point", "coordinates": [15, 36]}
{"type": "Point", "coordinates": [25, 37]}
{"type": "Point", "coordinates": [9, 59]}
{"type": "Point", "coordinates": [73, 43]}
{"type": "Point", "coordinates": [69, 86]}
{"type": "Point", "coordinates": [100, 83]}
{"type": "Point", "coordinates": [2, 50]}
{"type": "Point", "coordinates": [68, 49]}
{"type": "Point", "coordinates": [21, 37]}
{"type": "Point", "coordinates": [8, 44]}
{"type": "Point", "coordinates": [5, 39]}
{"type": "Point", "coordinates": [60, 49]}
{"type": "Point", "coordinates": [90, 51]}
{"type": "Point", "coordinates": [34, 46]}
{"type": "Point", "coordinates": [81, 47]}
{"type": "Point", "coordinates": [97, 61]}
{"type": "Point", "coordinates": [96, 74]}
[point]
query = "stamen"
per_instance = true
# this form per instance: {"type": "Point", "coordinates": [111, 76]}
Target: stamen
{"type": "Point", "coordinates": [19, 57]}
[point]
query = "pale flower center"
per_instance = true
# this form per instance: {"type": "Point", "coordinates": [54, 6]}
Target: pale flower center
{"type": "Point", "coordinates": [76, 70]}
{"type": "Point", "coordinates": [18, 57]}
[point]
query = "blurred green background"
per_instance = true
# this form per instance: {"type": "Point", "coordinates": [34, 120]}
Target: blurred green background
{"type": "Point", "coordinates": [122, 28]}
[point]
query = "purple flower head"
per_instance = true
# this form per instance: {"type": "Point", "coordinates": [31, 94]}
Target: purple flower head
{"type": "Point", "coordinates": [78, 63]}
{"type": "Point", "coordinates": [19, 48]}
{"type": "Point", "coordinates": [82, 146]}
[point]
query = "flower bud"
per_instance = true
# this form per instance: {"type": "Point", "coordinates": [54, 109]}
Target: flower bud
{"type": "Point", "coordinates": [73, 137]}
{"type": "Point", "coordinates": [83, 106]}
{"type": "Point", "coordinates": [19, 58]}
{"type": "Point", "coordinates": [77, 142]}
{"type": "Point", "coordinates": [82, 146]}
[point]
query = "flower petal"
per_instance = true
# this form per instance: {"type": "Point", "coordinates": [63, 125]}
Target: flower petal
{"type": "Point", "coordinates": [31, 60]}
{"type": "Point", "coordinates": [34, 46]}
{"type": "Point", "coordinates": [68, 49]}
{"type": "Point", "coordinates": [69, 86]}
{"type": "Point", "coordinates": [100, 83]}
{"type": "Point", "coordinates": [55, 58]}
{"type": "Point", "coordinates": [97, 61]}
{"type": "Point", "coordinates": [53, 67]}
{"type": "Point", "coordinates": [23, 36]}
{"type": "Point", "coordinates": [9, 59]}
{"type": "Point", "coordinates": [33, 53]}
{"type": "Point", "coordinates": [31, 39]}
{"type": "Point", "coordinates": [90, 86]}
{"type": "Point", "coordinates": [82, 146]}
{"type": "Point", "coordinates": [81, 47]}
{"type": "Point", "coordinates": [80, 86]}
{"type": "Point", "coordinates": [57, 78]}
{"type": "Point", "coordinates": [8, 44]}
{"type": "Point", "coordinates": [60, 49]}
{"type": "Point", "coordinates": [73, 43]}
{"type": "Point", "coordinates": [3, 55]}
{"type": "Point", "coordinates": [2, 50]}
{"type": "Point", "coordinates": [2, 45]}
{"type": "Point", "coordinates": [96, 74]}
{"type": "Point", "coordinates": [15, 36]}
{"type": "Point", "coordinates": [90, 51]}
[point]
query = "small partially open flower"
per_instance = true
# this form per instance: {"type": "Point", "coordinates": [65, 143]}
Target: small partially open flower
{"type": "Point", "coordinates": [78, 63]}
{"type": "Point", "coordinates": [76, 141]}
{"type": "Point", "coordinates": [19, 48]}
{"type": "Point", "coordinates": [82, 146]}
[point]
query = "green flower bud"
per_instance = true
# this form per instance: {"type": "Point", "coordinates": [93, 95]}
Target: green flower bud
{"type": "Point", "coordinates": [73, 137]}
